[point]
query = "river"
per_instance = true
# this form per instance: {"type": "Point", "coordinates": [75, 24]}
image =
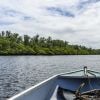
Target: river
{"type": "Point", "coordinates": [18, 73]}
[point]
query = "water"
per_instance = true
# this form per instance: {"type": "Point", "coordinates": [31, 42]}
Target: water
{"type": "Point", "coordinates": [18, 73]}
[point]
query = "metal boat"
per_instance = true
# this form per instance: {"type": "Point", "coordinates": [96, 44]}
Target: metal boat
{"type": "Point", "coordinates": [77, 85]}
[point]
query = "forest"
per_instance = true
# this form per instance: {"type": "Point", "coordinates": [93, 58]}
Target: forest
{"type": "Point", "coordinates": [14, 44]}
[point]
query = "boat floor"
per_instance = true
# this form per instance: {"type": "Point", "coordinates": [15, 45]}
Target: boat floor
{"type": "Point", "coordinates": [63, 94]}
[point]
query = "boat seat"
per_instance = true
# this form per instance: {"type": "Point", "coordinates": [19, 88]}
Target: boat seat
{"type": "Point", "coordinates": [62, 94]}
{"type": "Point", "coordinates": [54, 96]}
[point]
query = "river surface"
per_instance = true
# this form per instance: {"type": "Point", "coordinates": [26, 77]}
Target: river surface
{"type": "Point", "coordinates": [18, 73]}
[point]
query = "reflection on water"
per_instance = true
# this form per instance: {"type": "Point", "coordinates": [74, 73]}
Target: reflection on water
{"type": "Point", "coordinates": [20, 72]}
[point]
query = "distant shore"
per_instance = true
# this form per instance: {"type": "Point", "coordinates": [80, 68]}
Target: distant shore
{"type": "Point", "coordinates": [14, 44]}
{"type": "Point", "coordinates": [44, 55]}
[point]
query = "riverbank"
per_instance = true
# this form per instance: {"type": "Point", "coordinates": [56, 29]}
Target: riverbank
{"type": "Point", "coordinates": [14, 44]}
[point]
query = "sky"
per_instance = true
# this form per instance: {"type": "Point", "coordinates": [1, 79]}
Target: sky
{"type": "Point", "coordinates": [76, 21]}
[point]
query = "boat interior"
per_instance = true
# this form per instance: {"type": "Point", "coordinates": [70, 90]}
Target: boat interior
{"type": "Point", "coordinates": [81, 85]}
{"type": "Point", "coordinates": [77, 89]}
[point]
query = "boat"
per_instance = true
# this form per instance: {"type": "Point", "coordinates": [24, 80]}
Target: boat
{"type": "Point", "coordinates": [82, 84]}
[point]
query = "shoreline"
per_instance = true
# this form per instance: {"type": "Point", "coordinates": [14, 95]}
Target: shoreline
{"type": "Point", "coordinates": [46, 55]}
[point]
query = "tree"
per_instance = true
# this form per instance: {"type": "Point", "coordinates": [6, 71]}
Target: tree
{"type": "Point", "coordinates": [8, 34]}
{"type": "Point", "coordinates": [2, 33]}
{"type": "Point", "coordinates": [36, 38]}
{"type": "Point", "coordinates": [26, 40]}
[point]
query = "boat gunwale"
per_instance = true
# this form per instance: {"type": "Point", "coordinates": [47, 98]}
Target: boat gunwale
{"type": "Point", "coordinates": [61, 75]}
{"type": "Point", "coordinates": [79, 77]}
{"type": "Point", "coordinates": [37, 86]}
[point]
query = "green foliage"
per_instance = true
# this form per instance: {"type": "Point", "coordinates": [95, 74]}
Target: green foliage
{"type": "Point", "coordinates": [13, 44]}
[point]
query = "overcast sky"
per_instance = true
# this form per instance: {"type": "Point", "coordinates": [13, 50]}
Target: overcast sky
{"type": "Point", "coordinates": [76, 21]}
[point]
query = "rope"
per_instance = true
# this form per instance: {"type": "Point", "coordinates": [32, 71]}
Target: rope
{"type": "Point", "coordinates": [98, 81]}
{"type": "Point", "coordinates": [70, 72]}
{"type": "Point", "coordinates": [91, 73]}
{"type": "Point", "coordinates": [89, 81]}
{"type": "Point", "coordinates": [94, 72]}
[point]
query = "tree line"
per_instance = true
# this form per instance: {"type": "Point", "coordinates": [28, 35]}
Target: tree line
{"type": "Point", "coordinates": [14, 44]}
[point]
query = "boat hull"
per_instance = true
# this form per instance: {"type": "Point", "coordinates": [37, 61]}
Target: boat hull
{"type": "Point", "coordinates": [78, 81]}
{"type": "Point", "coordinates": [45, 90]}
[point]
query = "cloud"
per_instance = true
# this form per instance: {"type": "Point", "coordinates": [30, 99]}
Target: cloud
{"type": "Point", "coordinates": [27, 18]}
{"type": "Point", "coordinates": [84, 3]}
{"type": "Point", "coordinates": [59, 11]}
{"type": "Point", "coordinates": [76, 21]}
{"type": "Point", "coordinates": [2, 23]}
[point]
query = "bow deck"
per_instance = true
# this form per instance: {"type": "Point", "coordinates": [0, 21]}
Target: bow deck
{"type": "Point", "coordinates": [66, 86]}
